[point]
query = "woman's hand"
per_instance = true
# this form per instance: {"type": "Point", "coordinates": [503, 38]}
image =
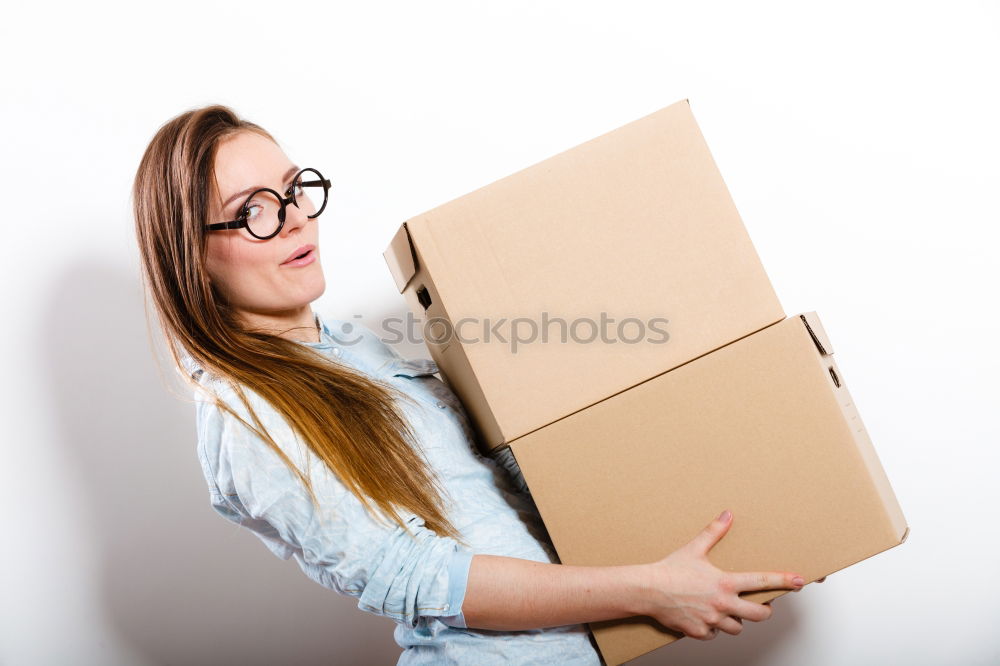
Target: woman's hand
{"type": "Point", "coordinates": [688, 593]}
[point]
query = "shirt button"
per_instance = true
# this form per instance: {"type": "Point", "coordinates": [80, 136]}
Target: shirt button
{"type": "Point", "coordinates": [441, 405]}
{"type": "Point", "coordinates": [336, 351]}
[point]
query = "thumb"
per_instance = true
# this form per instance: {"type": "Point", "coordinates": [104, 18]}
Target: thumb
{"type": "Point", "coordinates": [713, 533]}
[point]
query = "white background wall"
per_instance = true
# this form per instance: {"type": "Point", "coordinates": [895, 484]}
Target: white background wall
{"type": "Point", "coordinates": [860, 142]}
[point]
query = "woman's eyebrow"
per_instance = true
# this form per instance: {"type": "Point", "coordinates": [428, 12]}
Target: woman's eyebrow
{"type": "Point", "coordinates": [292, 170]}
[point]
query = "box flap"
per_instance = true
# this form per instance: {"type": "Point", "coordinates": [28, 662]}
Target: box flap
{"type": "Point", "coordinates": [815, 328]}
{"type": "Point", "coordinates": [399, 257]}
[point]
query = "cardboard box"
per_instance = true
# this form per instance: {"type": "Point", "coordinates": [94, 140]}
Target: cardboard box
{"type": "Point", "coordinates": [636, 223]}
{"type": "Point", "coordinates": [764, 426]}
{"type": "Point", "coordinates": [630, 449]}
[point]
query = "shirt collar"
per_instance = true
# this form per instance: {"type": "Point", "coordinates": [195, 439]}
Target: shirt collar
{"type": "Point", "coordinates": [325, 334]}
{"type": "Point", "coordinates": [190, 366]}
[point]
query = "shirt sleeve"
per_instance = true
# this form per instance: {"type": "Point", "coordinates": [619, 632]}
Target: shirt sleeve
{"type": "Point", "coordinates": [391, 572]}
{"type": "Point", "coordinates": [504, 457]}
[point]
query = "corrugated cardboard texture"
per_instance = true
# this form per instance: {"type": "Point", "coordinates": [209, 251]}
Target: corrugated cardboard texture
{"type": "Point", "coordinates": [634, 223]}
{"type": "Point", "coordinates": [758, 427]}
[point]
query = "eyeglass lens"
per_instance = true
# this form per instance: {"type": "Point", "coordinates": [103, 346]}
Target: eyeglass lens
{"type": "Point", "coordinates": [262, 210]}
{"type": "Point", "coordinates": [308, 192]}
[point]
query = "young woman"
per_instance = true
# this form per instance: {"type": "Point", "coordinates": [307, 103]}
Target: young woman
{"type": "Point", "coordinates": [357, 463]}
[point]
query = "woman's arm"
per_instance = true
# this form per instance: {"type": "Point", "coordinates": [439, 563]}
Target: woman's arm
{"type": "Point", "coordinates": [510, 594]}
{"type": "Point", "coordinates": [683, 591]}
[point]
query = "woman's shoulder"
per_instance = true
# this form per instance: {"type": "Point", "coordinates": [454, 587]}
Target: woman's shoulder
{"type": "Point", "coordinates": [231, 424]}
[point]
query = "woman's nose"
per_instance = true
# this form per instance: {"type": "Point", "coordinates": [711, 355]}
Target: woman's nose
{"type": "Point", "coordinates": [295, 217]}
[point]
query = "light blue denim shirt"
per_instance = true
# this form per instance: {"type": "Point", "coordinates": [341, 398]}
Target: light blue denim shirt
{"type": "Point", "coordinates": [419, 583]}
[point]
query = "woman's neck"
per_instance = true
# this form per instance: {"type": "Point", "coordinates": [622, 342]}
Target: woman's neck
{"type": "Point", "coordinates": [299, 324]}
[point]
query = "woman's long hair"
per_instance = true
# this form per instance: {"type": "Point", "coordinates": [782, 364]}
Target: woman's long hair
{"type": "Point", "coordinates": [349, 421]}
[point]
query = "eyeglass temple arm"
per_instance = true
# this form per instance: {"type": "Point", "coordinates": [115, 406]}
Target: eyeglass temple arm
{"type": "Point", "coordinates": [314, 183]}
{"type": "Point", "coordinates": [235, 224]}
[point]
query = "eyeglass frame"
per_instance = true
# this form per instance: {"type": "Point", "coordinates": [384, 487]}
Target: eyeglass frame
{"type": "Point", "coordinates": [241, 221]}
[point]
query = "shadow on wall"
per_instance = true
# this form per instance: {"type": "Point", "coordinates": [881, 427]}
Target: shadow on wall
{"type": "Point", "coordinates": [180, 584]}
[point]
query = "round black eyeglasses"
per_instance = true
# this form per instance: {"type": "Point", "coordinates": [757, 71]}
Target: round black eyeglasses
{"type": "Point", "coordinates": [263, 212]}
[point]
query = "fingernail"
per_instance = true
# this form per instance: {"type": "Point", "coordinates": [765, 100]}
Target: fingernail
{"type": "Point", "coordinates": [798, 580]}
{"type": "Point", "coordinates": [725, 516]}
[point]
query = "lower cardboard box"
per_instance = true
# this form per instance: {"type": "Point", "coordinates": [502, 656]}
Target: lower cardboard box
{"type": "Point", "coordinates": [764, 426]}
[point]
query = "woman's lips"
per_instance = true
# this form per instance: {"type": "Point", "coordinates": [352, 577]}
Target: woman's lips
{"type": "Point", "coordinates": [303, 261]}
{"type": "Point", "coordinates": [301, 250]}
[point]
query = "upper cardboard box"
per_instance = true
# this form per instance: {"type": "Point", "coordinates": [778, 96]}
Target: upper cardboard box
{"type": "Point", "coordinates": [635, 224]}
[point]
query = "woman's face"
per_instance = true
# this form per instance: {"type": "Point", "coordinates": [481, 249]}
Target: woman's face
{"type": "Point", "coordinates": [251, 273]}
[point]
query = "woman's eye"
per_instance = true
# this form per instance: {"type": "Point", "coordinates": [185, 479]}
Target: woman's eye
{"type": "Point", "coordinates": [252, 211]}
